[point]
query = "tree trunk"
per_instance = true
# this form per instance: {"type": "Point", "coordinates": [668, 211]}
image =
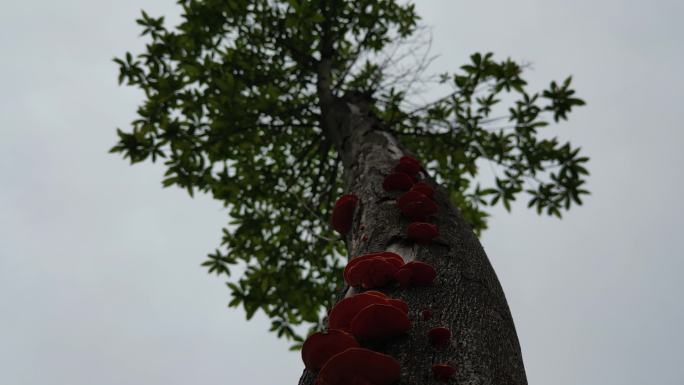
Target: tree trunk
{"type": "Point", "coordinates": [466, 297]}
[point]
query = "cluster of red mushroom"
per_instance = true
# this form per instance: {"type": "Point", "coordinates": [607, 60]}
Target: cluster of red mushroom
{"type": "Point", "coordinates": [375, 270]}
{"type": "Point", "coordinates": [343, 213]}
{"type": "Point", "coordinates": [416, 203]}
{"type": "Point", "coordinates": [439, 337]}
{"type": "Point", "coordinates": [336, 354]}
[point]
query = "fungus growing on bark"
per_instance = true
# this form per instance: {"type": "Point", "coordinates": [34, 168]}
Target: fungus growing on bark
{"type": "Point", "coordinates": [371, 273]}
{"type": "Point", "coordinates": [427, 314]}
{"type": "Point", "coordinates": [399, 304]}
{"type": "Point", "coordinates": [408, 165]}
{"type": "Point", "coordinates": [416, 205]}
{"type": "Point", "coordinates": [343, 213]}
{"type": "Point", "coordinates": [395, 260]}
{"type": "Point", "coordinates": [422, 232]}
{"type": "Point", "coordinates": [439, 336]}
{"type": "Point", "coordinates": [397, 181]}
{"type": "Point", "coordinates": [319, 347]}
{"type": "Point", "coordinates": [423, 188]}
{"type": "Point", "coordinates": [415, 273]}
{"type": "Point", "coordinates": [379, 322]}
{"type": "Point", "coordinates": [443, 372]}
{"type": "Point", "coordinates": [376, 293]}
{"type": "Point", "coordinates": [389, 256]}
{"type": "Point", "coordinates": [343, 312]}
{"type": "Point", "coordinates": [360, 366]}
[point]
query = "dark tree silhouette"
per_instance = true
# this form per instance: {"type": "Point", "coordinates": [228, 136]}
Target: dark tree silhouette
{"type": "Point", "coordinates": [278, 107]}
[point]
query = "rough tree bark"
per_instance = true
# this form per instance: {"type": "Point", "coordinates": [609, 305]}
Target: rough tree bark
{"type": "Point", "coordinates": [466, 297]}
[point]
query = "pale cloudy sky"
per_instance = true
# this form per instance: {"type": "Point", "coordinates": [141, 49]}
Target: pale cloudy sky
{"type": "Point", "coordinates": [99, 267]}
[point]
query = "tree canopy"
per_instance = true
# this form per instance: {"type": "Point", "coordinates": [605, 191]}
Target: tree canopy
{"type": "Point", "coordinates": [231, 109]}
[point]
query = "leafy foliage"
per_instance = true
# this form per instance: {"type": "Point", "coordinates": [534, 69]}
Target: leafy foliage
{"type": "Point", "coordinates": [458, 130]}
{"type": "Point", "coordinates": [231, 109]}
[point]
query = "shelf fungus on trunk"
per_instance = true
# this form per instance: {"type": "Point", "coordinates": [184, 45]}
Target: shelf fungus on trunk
{"type": "Point", "coordinates": [343, 313]}
{"type": "Point", "coordinates": [380, 322]}
{"type": "Point", "coordinates": [422, 232]}
{"type": "Point", "coordinates": [409, 165]}
{"type": "Point", "coordinates": [439, 337]}
{"type": "Point", "coordinates": [416, 206]}
{"type": "Point", "coordinates": [424, 189]}
{"type": "Point", "coordinates": [343, 213]}
{"type": "Point", "coordinates": [415, 273]}
{"type": "Point", "coordinates": [397, 181]}
{"type": "Point", "coordinates": [319, 347]}
{"type": "Point", "coordinates": [372, 270]}
{"type": "Point", "coordinates": [360, 366]}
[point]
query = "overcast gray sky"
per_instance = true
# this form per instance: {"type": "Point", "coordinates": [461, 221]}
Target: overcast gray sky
{"type": "Point", "coordinates": [99, 266]}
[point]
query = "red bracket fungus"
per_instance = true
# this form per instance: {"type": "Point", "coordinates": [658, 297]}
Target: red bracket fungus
{"type": "Point", "coordinates": [376, 294]}
{"type": "Point", "coordinates": [372, 270]}
{"type": "Point", "coordinates": [423, 188]}
{"type": "Point", "coordinates": [319, 347]}
{"type": "Point", "coordinates": [439, 336]}
{"type": "Point", "coordinates": [359, 366]}
{"type": "Point", "coordinates": [380, 321]}
{"type": "Point", "coordinates": [344, 311]}
{"type": "Point", "coordinates": [443, 372]}
{"type": "Point", "coordinates": [397, 181]}
{"type": "Point", "coordinates": [343, 213]}
{"type": "Point", "coordinates": [388, 256]}
{"type": "Point", "coordinates": [422, 232]}
{"type": "Point", "coordinates": [399, 304]}
{"type": "Point", "coordinates": [342, 314]}
{"type": "Point", "coordinates": [415, 273]}
{"type": "Point", "coordinates": [371, 273]}
{"type": "Point", "coordinates": [408, 165]}
{"type": "Point", "coordinates": [416, 205]}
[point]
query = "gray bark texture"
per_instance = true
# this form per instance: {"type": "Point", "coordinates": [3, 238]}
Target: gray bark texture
{"type": "Point", "coordinates": [466, 297]}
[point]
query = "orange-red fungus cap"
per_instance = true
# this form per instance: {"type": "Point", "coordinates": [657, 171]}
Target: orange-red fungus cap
{"type": "Point", "coordinates": [408, 165]}
{"type": "Point", "coordinates": [410, 196]}
{"type": "Point", "coordinates": [397, 181]}
{"type": "Point", "coordinates": [396, 302]}
{"type": "Point", "coordinates": [419, 210]}
{"type": "Point", "coordinates": [389, 257]}
{"type": "Point", "coordinates": [443, 372]}
{"type": "Point", "coordinates": [343, 213]}
{"type": "Point", "coordinates": [376, 293]}
{"type": "Point", "coordinates": [360, 366]}
{"type": "Point", "coordinates": [319, 347]}
{"type": "Point", "coordinates": [371, 273]}
{"type": "Point", "coordinates": [416, 205]}
{"type": "Point", "coordinates": [422, 232]}
{"type": "Point", "coordinates": [380, 321]}
{"type": "Point", "coordinates": [344, 311]}
{"type": "Point", "coordinates": [372, 270]}
{"type": "Point", "coordinates": [399, 304]}
{"type": "Point", "coordinates": [415, 273]}
{"type": "Point", "coordinates": [439, 336]}
{"type": "Point", "coordinates": [424, 188]}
